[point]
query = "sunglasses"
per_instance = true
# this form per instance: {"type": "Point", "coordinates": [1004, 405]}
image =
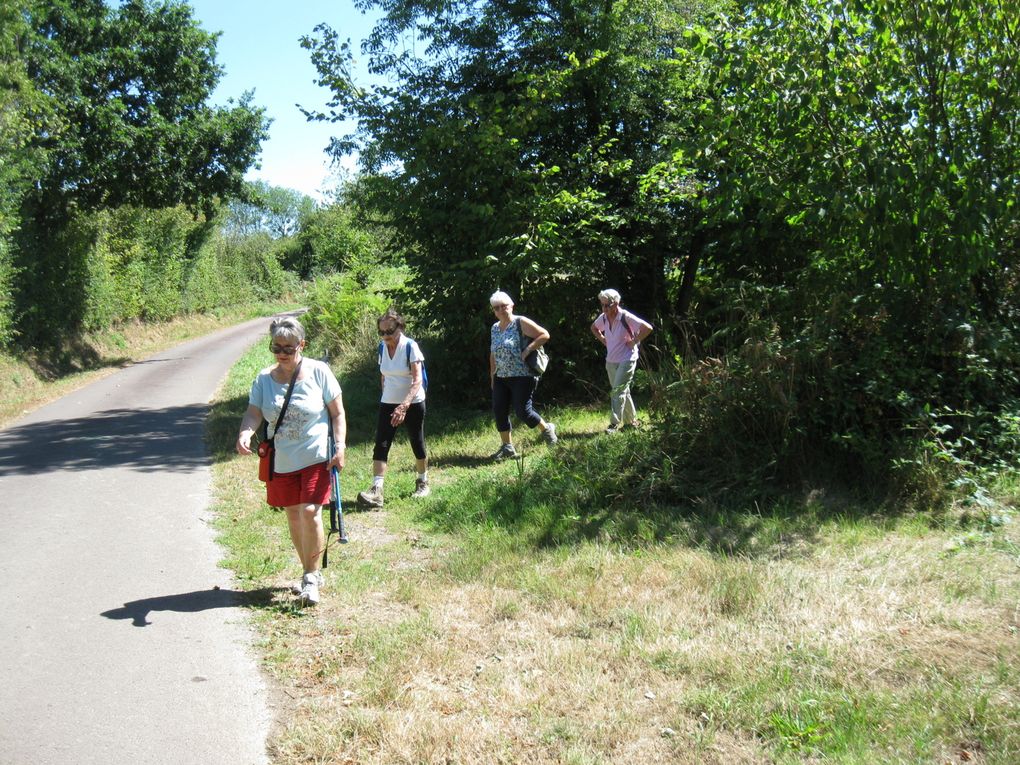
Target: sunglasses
{"type": "Point", "coordinates": [387, 332]}
{"type": "Point", "coordinates": [500, 307]}
{"type": "Point", "coordinates": [286, 350]}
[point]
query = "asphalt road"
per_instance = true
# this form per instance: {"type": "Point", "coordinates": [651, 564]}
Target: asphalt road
{"type": "Point", "coordinates": [121, 641]}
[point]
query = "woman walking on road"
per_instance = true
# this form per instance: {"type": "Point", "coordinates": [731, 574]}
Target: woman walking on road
{"type": "Point", "coordinates": [511, 339]}
{"type": "Point", "coordinates": [401, 364]}
{"type": "Point", "coordinates": [309, 397]}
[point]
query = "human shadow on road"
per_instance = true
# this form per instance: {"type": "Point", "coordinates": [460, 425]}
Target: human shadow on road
{"type": "Point", "coordinates": [148, 440]}
{"type": "Point", "coordinates": [191, 602]}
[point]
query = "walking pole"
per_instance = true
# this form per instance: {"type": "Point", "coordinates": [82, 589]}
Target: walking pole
{"type": "Point", "coordinates": [336, 511]}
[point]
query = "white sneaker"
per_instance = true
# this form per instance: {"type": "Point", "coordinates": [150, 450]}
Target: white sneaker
{"type": "Point", "coordinates": [549, 434]}
{"type": "Point", "coordinates": [310, 589]}
{"type": "Point", "coordinates": [296, 586]}
{"type": "Point", "coordinates": [421, 488]}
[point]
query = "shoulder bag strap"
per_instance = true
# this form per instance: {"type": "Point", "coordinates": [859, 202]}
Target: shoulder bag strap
{"type": "Point", "coordinates": [286, 400]}
{"type": "Point", "coordinates": [520, 333]}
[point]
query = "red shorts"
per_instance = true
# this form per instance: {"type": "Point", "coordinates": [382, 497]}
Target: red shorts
{"type": "Point", "coordinates": [308, 486]}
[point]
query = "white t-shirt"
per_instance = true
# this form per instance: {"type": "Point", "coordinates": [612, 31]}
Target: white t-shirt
{"type": "Point", "coordinates": [302, 438]}
{"type": "Point", "coordinates": [396, 372]}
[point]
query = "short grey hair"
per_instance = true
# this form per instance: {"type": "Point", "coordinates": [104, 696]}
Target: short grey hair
{"type": "Point", "coordinates": [500, 297]}
{"type": "Point", "coordinates": [287, 327]}
{"type": "Point", "coordinates": [611, 295]}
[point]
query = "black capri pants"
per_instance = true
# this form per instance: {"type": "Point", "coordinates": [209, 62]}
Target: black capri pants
{"type": "Point", "coordinates": [414, 421]}
{"type": "Point", "coordinates": [517, 391]}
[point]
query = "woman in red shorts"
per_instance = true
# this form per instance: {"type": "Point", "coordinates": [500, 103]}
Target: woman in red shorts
{"type": "Point", "coordinates": [300, 481]}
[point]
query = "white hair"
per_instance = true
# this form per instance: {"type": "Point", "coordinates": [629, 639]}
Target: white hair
{"type": "Point", "coordinates": [287, 327]}
{"type": "Point", "coordinates": [611, 295]}
{"type": "Point", "coordinates": [500, 297]}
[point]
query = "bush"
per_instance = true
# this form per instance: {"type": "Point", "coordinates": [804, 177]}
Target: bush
{"type": "Point", "coordinates": [906, 400]}
{"type": "Point", "coordinates": [341, 318]}
{"type": "Point", "coordinates": [229, 270]}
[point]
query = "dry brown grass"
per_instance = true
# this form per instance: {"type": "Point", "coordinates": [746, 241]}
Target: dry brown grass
{"type": "Point", "coordinates": [671, 656]}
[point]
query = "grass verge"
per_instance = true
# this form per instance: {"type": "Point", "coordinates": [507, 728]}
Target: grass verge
{"type": "Point", "coordinates": [534, 612]}
{"type": "Point", "coordinates": [31, 380]}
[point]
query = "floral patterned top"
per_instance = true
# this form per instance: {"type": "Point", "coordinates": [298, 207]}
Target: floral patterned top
{"type": "Point", "coordinates": [302, 438]}
{"type": "Point", "coordinates": [506, 347]}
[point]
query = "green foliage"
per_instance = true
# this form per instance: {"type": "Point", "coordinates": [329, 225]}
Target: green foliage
{"type": "Point", "coordinates": [342, 315]}
{"type": "Point", "coordinates": [856, 174]}
{"type": "Point", "coordinates": [24, 112]}
{"type": "Point", "coordinates": [508, 155]}
{"type": "Point", "coordinates": [891, 142]}
{"type": "Point", "coordinates": [333, 238]}
{"type": "Point", "coordinates": [228, 270]}
{"type": "Point", "coordinates": [104, 131]}
{"type": "Point", "coordinates": [137, 263]}
{"type": "Point", "coordinates": [815, 202]}
{"type": "Point", "coordinates": [129, 86]}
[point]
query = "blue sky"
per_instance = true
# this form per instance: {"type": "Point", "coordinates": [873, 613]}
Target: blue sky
{"type": "Point", "coordinates": [259, 49]}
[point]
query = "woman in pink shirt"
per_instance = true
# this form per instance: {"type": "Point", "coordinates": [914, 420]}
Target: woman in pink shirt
{"type": "Point", "coordinates": [621, 332]}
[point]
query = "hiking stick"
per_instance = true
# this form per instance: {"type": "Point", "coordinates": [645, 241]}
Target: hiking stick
{"type": "Point", "coordinates": [336, 511]}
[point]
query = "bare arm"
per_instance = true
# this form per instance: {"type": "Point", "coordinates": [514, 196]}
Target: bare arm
{"type": "Point", "coordinates": [252, 419]}
{"type": "Point", "coordinates": [644, 330]}
{"type": "Point", "coordinates": [338, 422]}
{"type": "Point", "coordinates": [401, 411]}
{"type": "Point", "coordinates": [492, 369]}
{"type": "Point", "coordinates": [536, 333]}
{"type": "Point", "coordinates": [598, 333]}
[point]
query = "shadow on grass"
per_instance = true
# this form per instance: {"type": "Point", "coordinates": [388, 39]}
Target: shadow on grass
{"type": "Point", "coordinates": [622, 490]}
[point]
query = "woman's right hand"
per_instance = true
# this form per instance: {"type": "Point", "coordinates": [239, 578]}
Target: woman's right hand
{"type": "Point", "coordinates": [244, 442]}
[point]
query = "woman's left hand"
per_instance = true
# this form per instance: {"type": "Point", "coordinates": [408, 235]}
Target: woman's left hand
{"type": "Point", "coordinates": [398, 414]}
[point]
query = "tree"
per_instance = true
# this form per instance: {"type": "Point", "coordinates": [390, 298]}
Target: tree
{"type": "Point", "coordinates": [273, 209]}
{"type": "Point", "coordinates": [859, 171]}
{"type": "Point", "coordinates": [513, 145]}
{"type": "Point", "coordinates": [24, 112]}
{"type": "Point", "coordinates": [885, 130]}
{"type": "Point", "coordinates": [127, 89]}
{"type": "Point", "coordinates": [130, 87]}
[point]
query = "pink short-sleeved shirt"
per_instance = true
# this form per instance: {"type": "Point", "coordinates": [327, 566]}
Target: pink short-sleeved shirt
{"type": "Point", "coordinates": [619, 334]}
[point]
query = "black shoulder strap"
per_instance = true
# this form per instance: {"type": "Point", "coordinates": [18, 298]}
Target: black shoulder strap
{"type": "Point", "coordinates": [520, 332]}
{"type": "Point", "coordinates": [626, 326]}
{"type": "Point", "coordinates": [286, 400]}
